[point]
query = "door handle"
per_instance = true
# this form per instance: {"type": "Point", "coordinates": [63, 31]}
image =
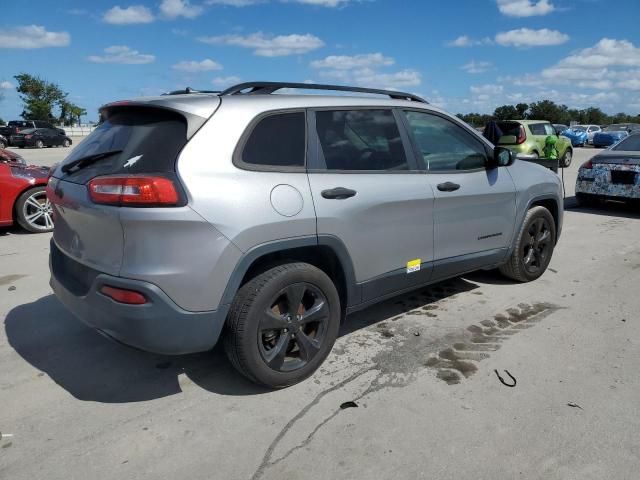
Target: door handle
{"type": "Point", "coordinates": [338, 193]}
{"type": "Point", "coordinates": [448, 187]}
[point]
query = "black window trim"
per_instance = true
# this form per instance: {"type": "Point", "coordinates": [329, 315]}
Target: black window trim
{"type": "Point", "coordinates": [238, 151]}
{"type": "Point", "coordinates": [316, 163]}
{"type": "Point", "coordinates": [416, 149]}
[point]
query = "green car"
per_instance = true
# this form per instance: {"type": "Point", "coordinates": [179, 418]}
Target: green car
{"type": "Point", "coordinates": [527, 138]}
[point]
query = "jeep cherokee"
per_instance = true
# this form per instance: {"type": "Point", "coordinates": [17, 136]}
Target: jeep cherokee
{"type": "Point", "coordinates": [264, 219]}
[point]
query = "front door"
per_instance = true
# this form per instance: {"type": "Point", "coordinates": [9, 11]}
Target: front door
{"type": "Point", "coordinates": [474, 209]}
{"type": "Point", "coordinates": [369, 193]}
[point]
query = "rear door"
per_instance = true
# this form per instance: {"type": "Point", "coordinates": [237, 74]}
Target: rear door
{"type": "Point", "coordinates": [474, 209]}
{"type": "Point", "coordinates": [369, 193]}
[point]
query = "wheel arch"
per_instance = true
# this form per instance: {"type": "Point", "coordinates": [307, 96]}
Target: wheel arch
{"type": "Point", "coordinates": [327, 253]}
{"type": "Point", "coordinates": [551, 204]}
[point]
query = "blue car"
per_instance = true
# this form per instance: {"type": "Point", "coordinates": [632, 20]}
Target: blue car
{"type": "Point", "coordinates": [610, 135]}
{"type": "Point", "coordinates": [578, 136]}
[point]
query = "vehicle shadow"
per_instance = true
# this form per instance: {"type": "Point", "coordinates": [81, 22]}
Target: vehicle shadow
{"type": "Point", "coordinates": [93, 368]}
{"type": "Point", "coordinates": [609, 208]}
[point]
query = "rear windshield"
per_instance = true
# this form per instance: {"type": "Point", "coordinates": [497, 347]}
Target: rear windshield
{"type": "Point", "coordinates": [150, 140]}
{"type": "Point", "coordinates": [629, 144]}
{"type": "Point", "coordinates": [509, 128]}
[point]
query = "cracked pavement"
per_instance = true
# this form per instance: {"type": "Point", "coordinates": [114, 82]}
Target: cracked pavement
{"type": "Point", "coordinates": [419, 367]}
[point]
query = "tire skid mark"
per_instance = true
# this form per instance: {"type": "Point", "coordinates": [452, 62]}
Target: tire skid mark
{"type": "Point", "coordinates": [458, 361]}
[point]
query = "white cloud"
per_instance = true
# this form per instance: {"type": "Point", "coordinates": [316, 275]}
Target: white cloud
{"type": "Point", "coordinates": [323, 3]}
{"type": "Point", "coordinates": [486, 89]}
{"type": "Point", "coordinates": [525, 8]}
{"type": "Point", "coordinates": [180, 8]}
{"type": "Point", "coordinates": [368, 77]}
{"type": "Point", "coordinates": [32, 36]}
{"type": "Point", "coordinates": [6, 85]}
{"type": "Point", "coordinates": [466, 41]}
{"type": "Point", "coordinates": [226, 81]}
{"type": "Point", "coordinates": [345, 62]}
{"type": "Point", "coordinates": [122, 54]}
{"type": "Point", "coordinates": [269, 46]}
{"type": "Point", "coordinates": [193, 66]}
{"type": "Point", "coordinates": [526, 37]}
{"type": "Point", "coordinates": [128, 16]}
{"type": "Point", "coordinates": [607, 52]}
{"type": "Point", "coordinates": [477, 67]}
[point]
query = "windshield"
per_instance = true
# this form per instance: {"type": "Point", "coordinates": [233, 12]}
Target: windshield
{"type": "Point", "coordinates": [629, 144]}
{"type": "Point", "coordinates": [146, 140]}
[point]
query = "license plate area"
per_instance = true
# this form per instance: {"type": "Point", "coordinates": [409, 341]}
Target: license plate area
{"type": "Point", "coordinates": [623, 178]}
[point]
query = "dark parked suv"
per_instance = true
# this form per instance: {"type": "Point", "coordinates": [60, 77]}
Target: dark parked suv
{"type": "Point", "coordinates": [265, 219]}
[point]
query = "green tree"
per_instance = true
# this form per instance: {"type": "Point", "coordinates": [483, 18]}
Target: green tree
{"type": "Point", "coordinates": [594, 115]}
{"type": "Point", "coordinates": [522, 109]}
{"type": "Point", "coordinates": [70, 113]}
{"type": "Point", "coordinates": [550, 111]}
{"type": "Point", "coordinates": [505, 112]}
{"type": "Point", "coordinates": [39, 96]}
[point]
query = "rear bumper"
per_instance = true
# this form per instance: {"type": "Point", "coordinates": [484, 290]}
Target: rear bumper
{"type": "Point", "coordinates": [159, 326]}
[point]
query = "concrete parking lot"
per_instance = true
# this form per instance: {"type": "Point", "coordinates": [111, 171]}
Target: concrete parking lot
{"type": "Point", "coordinates": [420, 369]}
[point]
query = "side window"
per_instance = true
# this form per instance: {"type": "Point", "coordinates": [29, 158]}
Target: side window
{"type": "Point", "coordinates": [445, 145]}
{"type": "Point", "coordinates": [360, 140]}
{"type": "Point", "coordinates": [537, 129]}
{"type": "Point", "coordinates": [277, 140]}
{"type": "Point", "coordinates": [548, 129]}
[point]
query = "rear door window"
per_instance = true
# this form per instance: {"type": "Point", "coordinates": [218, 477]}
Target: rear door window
{"type": "Point", "coordinates": [360, 140]}
{"type": "Point", "coordinates": [537, 129]}
{"type": "Point", "coordinates": [144, 140]}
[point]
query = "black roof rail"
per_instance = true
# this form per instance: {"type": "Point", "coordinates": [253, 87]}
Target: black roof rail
{"type": "Point", "coordinates": [190, 90]}
{"type": "Point", "coordinates": [265, 88]}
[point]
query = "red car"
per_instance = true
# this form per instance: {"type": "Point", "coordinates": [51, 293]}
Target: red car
{"type": "Point", "coordinates": [22, 194]}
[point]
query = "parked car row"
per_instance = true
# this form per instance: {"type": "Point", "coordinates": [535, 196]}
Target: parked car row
{"type": "Point", "coordinates": [612, 134]}
{"type": "Point", "coordinates": [15, 127]}
{"type": "Point", "coordinates": [40, 137]}
{"type": "Point", "coordinates": [529, 137]}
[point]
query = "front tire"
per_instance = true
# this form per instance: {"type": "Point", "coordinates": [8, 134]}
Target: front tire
{"type": "Point", "coordinates": [282, 324]}
{"type": "Point", "coordinates": [534, 247]}
{"type": "Point", "coordinates": [34, 212]}
{"type": "Point", "coordinates": [66, 143]}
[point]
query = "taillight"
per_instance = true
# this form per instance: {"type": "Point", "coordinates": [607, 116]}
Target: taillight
{"type": "Point", "coordinates": [588, 165]}
{"type": "Point", "coordinates": [121, 295]}
{"type": "Point", "coordinates": [133, 191]}
{"type": "Point", "coordinates": [522, 135]}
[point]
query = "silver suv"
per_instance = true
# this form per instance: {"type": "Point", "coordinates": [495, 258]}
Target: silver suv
{"type": "Point", "coordinates": [264, 219]}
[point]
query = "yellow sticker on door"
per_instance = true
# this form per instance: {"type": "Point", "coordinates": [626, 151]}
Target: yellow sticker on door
{"type": "Point", "coordinates": [413, 265]}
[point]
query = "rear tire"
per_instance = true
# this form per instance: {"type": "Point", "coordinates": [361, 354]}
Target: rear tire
{"type": "Point", "coordinates": [567, 158]}
{"type": "Point", "coordinates": [39, 144]}
{"type": "Point", "coordinates": [282, 324]}
{"type": "Point", "coordinates": [534, 247]}
{"type": "Point", "coordinates": [2, 145]}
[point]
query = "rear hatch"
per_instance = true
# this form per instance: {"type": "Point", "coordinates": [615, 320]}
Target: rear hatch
{"type": "Point", "coordinates": [137, 141]}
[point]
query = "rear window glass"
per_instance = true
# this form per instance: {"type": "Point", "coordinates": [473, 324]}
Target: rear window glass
{"type": "Point", "coordinates": [629, 144]}
{"type": "Point", "coordinates": [509, 128]}
{"type": "Point", "coordinates": [149, 139]}
{"type": "Point", "coordinates": [277, 141]}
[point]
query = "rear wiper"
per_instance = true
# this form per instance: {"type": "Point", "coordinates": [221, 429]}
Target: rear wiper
{"type": "Point", "coordinates": [88, 160]}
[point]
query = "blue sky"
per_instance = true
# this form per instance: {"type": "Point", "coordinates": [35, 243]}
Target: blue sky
{"type": "Point", "coordinates": [471, 57]}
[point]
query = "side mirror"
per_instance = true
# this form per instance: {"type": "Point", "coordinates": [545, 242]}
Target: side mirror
{"type": "Point", "coordinates": [502, 157]}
